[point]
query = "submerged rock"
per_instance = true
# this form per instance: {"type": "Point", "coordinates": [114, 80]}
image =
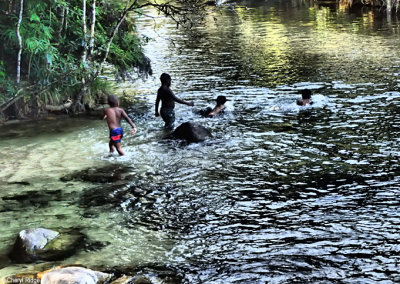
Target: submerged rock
{"type": "Point", "coordinates": [19, 182]}
{"type": "Point", "coordinates": [128, 280]}
{"type": "Point", "coordinates": [123, 280]}
{"type": "Point", "coordinates": [144, 280]}
{"type": "Point", "coordinates": [192, 132]}
{"type": "Point", "coordinates": [282, 127]}
{"type": "Point", "coordinates": [75, 275]}
{"type": "Point", "coordinates": [108, 174]}
{"type": "Point", "coordinates": [44, 244]}
{"type": "Point", "coordinates": [147, 274]}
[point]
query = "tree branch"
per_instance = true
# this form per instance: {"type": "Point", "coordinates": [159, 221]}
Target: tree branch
{"type": "Point", "coordinates": [110, 40]}
{"type": "Point", "coordinates": [19, 95]}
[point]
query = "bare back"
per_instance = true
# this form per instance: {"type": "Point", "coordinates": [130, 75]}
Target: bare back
{"type": "Point", "coordinates": [217, 109]}
{"type": "Point", "coordinates": [114, 116]}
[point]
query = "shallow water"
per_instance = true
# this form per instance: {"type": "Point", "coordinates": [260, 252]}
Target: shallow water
{"type": "Point", "coordinates": [280, 194]}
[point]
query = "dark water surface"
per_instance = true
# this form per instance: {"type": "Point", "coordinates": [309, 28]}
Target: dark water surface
{"type": "Point", "coordinates": [281, 194]}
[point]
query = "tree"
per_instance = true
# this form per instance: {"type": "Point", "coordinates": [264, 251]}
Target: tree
{"type": "Point", "coordinates": [63, 45]}
{"type": "Point", "coordinates": [21, 9]}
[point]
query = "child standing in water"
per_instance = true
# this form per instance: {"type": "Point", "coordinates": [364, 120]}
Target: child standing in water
{"type": "Point", "coordinates": [168, 100]}
{"type": "Point", "coordinates": [114, 114]}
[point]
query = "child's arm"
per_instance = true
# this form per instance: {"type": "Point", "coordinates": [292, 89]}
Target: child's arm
{"type": "Point", "coordinates": [126, 117]}
{"type": "Point", "coordinates": [178, 100]}
{"type": "Point", "coordinates": [103, 115]}
{"type": "Point", "coordinates": [157, 103]}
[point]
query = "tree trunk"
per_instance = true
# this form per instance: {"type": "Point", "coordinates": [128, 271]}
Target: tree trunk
{"type": "Point", "coordinates": [388, 7]}
{"type": "Point", "coordinates": [21, 9]}
{"type": "Point", "coordinates": [29, 65]}
{"type": "Point", "coordinates": [91, 40]}
{"type": "Point", "coordinates": [84, 45]}
{"type": "Point", "coordinates": [10, 6]}
{"type": "Point", "coordinates": [78, 102]}
{"type": "Point", "coordinates": [62, 20]}
{"type": "Point", "coordinates": [66, 18]}
{"type": "Point", "coordinates": [77, 105]}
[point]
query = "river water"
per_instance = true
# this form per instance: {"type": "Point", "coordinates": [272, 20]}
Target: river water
{"type": "Point", "coordinates": [280, 194]}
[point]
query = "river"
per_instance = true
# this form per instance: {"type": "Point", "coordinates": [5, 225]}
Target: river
{"type": "Point", "coordinates": [280, 194]}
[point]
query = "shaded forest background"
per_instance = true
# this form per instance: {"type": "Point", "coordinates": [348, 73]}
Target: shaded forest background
{"type": "Point", "coordinates": [53, 51]}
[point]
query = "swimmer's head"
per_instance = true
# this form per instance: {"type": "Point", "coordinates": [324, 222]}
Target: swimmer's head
{"type": "Point", "coordinates": [221, 100]}
{"type": "Point", "coordinates": [113, 100]}
{"type": "Point", "coordinates": [165, 79]}
{"type": "Point", "coordinates": [306, 94]}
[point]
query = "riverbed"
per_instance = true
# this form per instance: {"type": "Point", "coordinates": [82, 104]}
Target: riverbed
{"type": "Point", "coordinates": [279, 194]}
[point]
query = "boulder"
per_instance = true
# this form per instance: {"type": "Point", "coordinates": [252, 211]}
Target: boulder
{"type": "Point", "coordinates": [74, 275]}
{"type": "Point", "coordinates": [44, 244]}
{"type": "Point", "coordinates": [191, 132]}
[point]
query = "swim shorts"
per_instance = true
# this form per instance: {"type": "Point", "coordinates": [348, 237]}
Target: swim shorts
{"type": "Point", "coordinates": [116, 135]}
{"type": "Point", "coordinates": [168, 115]}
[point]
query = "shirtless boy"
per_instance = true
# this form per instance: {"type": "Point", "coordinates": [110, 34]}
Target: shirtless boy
{"type": "Point", "coordinates": [114, 114]}
{"type": "Point", "coordinates": [211, 112]}
{"type": "Point", "coordinates": [221, 100]}
{"type": "Point", "coordinates": [168, 100]}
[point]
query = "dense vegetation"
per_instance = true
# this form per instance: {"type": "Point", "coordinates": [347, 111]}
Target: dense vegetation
{"type": "Point", "coordinates": [53, 51]}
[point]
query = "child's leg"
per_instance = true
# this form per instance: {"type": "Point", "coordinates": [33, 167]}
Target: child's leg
{"type": "Point", "coordinates": [168, 115]}
{"type": "Point", "coordinates": [111, 145]}
{"type": "Point", "coordinates": [119, 149]}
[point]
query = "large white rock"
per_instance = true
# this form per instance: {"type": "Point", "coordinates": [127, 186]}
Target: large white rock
{"type": "Point", "coordinates": [74, 275]}
{"type": "Point", "coordinates": [37, 238]}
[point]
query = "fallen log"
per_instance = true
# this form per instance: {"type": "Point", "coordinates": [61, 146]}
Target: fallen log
{"type": "Point", "coordinates": [62, 107]}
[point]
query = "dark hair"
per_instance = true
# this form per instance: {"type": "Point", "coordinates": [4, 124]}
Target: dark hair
{"type": "Point", "coordinates": [221, 100]}
{"type": "Point", "coordinates": [165, 78]}
{"type": "Point", "coordinates": [112, 100]}
{"type": "Point", "coordinates": [306, 94]}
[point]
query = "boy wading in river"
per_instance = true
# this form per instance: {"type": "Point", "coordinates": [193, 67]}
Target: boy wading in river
{"type": "Point", "coordinates": [114, 114]}
{"type": "Point", "coordinates": [168, 100]}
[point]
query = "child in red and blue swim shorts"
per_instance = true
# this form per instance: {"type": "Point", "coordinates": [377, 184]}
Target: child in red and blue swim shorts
{"type": "Point", "coordinates": [114, 114]}
{"type": "Point", "coordinates": [116, 135]}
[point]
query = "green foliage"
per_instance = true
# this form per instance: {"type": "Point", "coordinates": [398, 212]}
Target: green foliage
{"type": "Point", "coordinates": [2, 72]}
{"type": "Point", "coordinates": [7, 87]}
{"type": "Point", "coordinates": [53, 44]}
{"type": "Point", "coordinates": [125, 52]}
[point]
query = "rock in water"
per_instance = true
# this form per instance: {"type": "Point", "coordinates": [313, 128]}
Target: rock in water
{"type": "Point", "coordinates": [191, 132]}
{"type": "Point", "coordinates": [74, 275]}
{"type": "Point", "coordinates": [43, 244]}
{"type": "Point", "coordinates": [29, 241]}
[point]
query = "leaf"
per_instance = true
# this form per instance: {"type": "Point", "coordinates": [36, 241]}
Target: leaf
{"type": "Point", "coordinates": [34, 18]}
